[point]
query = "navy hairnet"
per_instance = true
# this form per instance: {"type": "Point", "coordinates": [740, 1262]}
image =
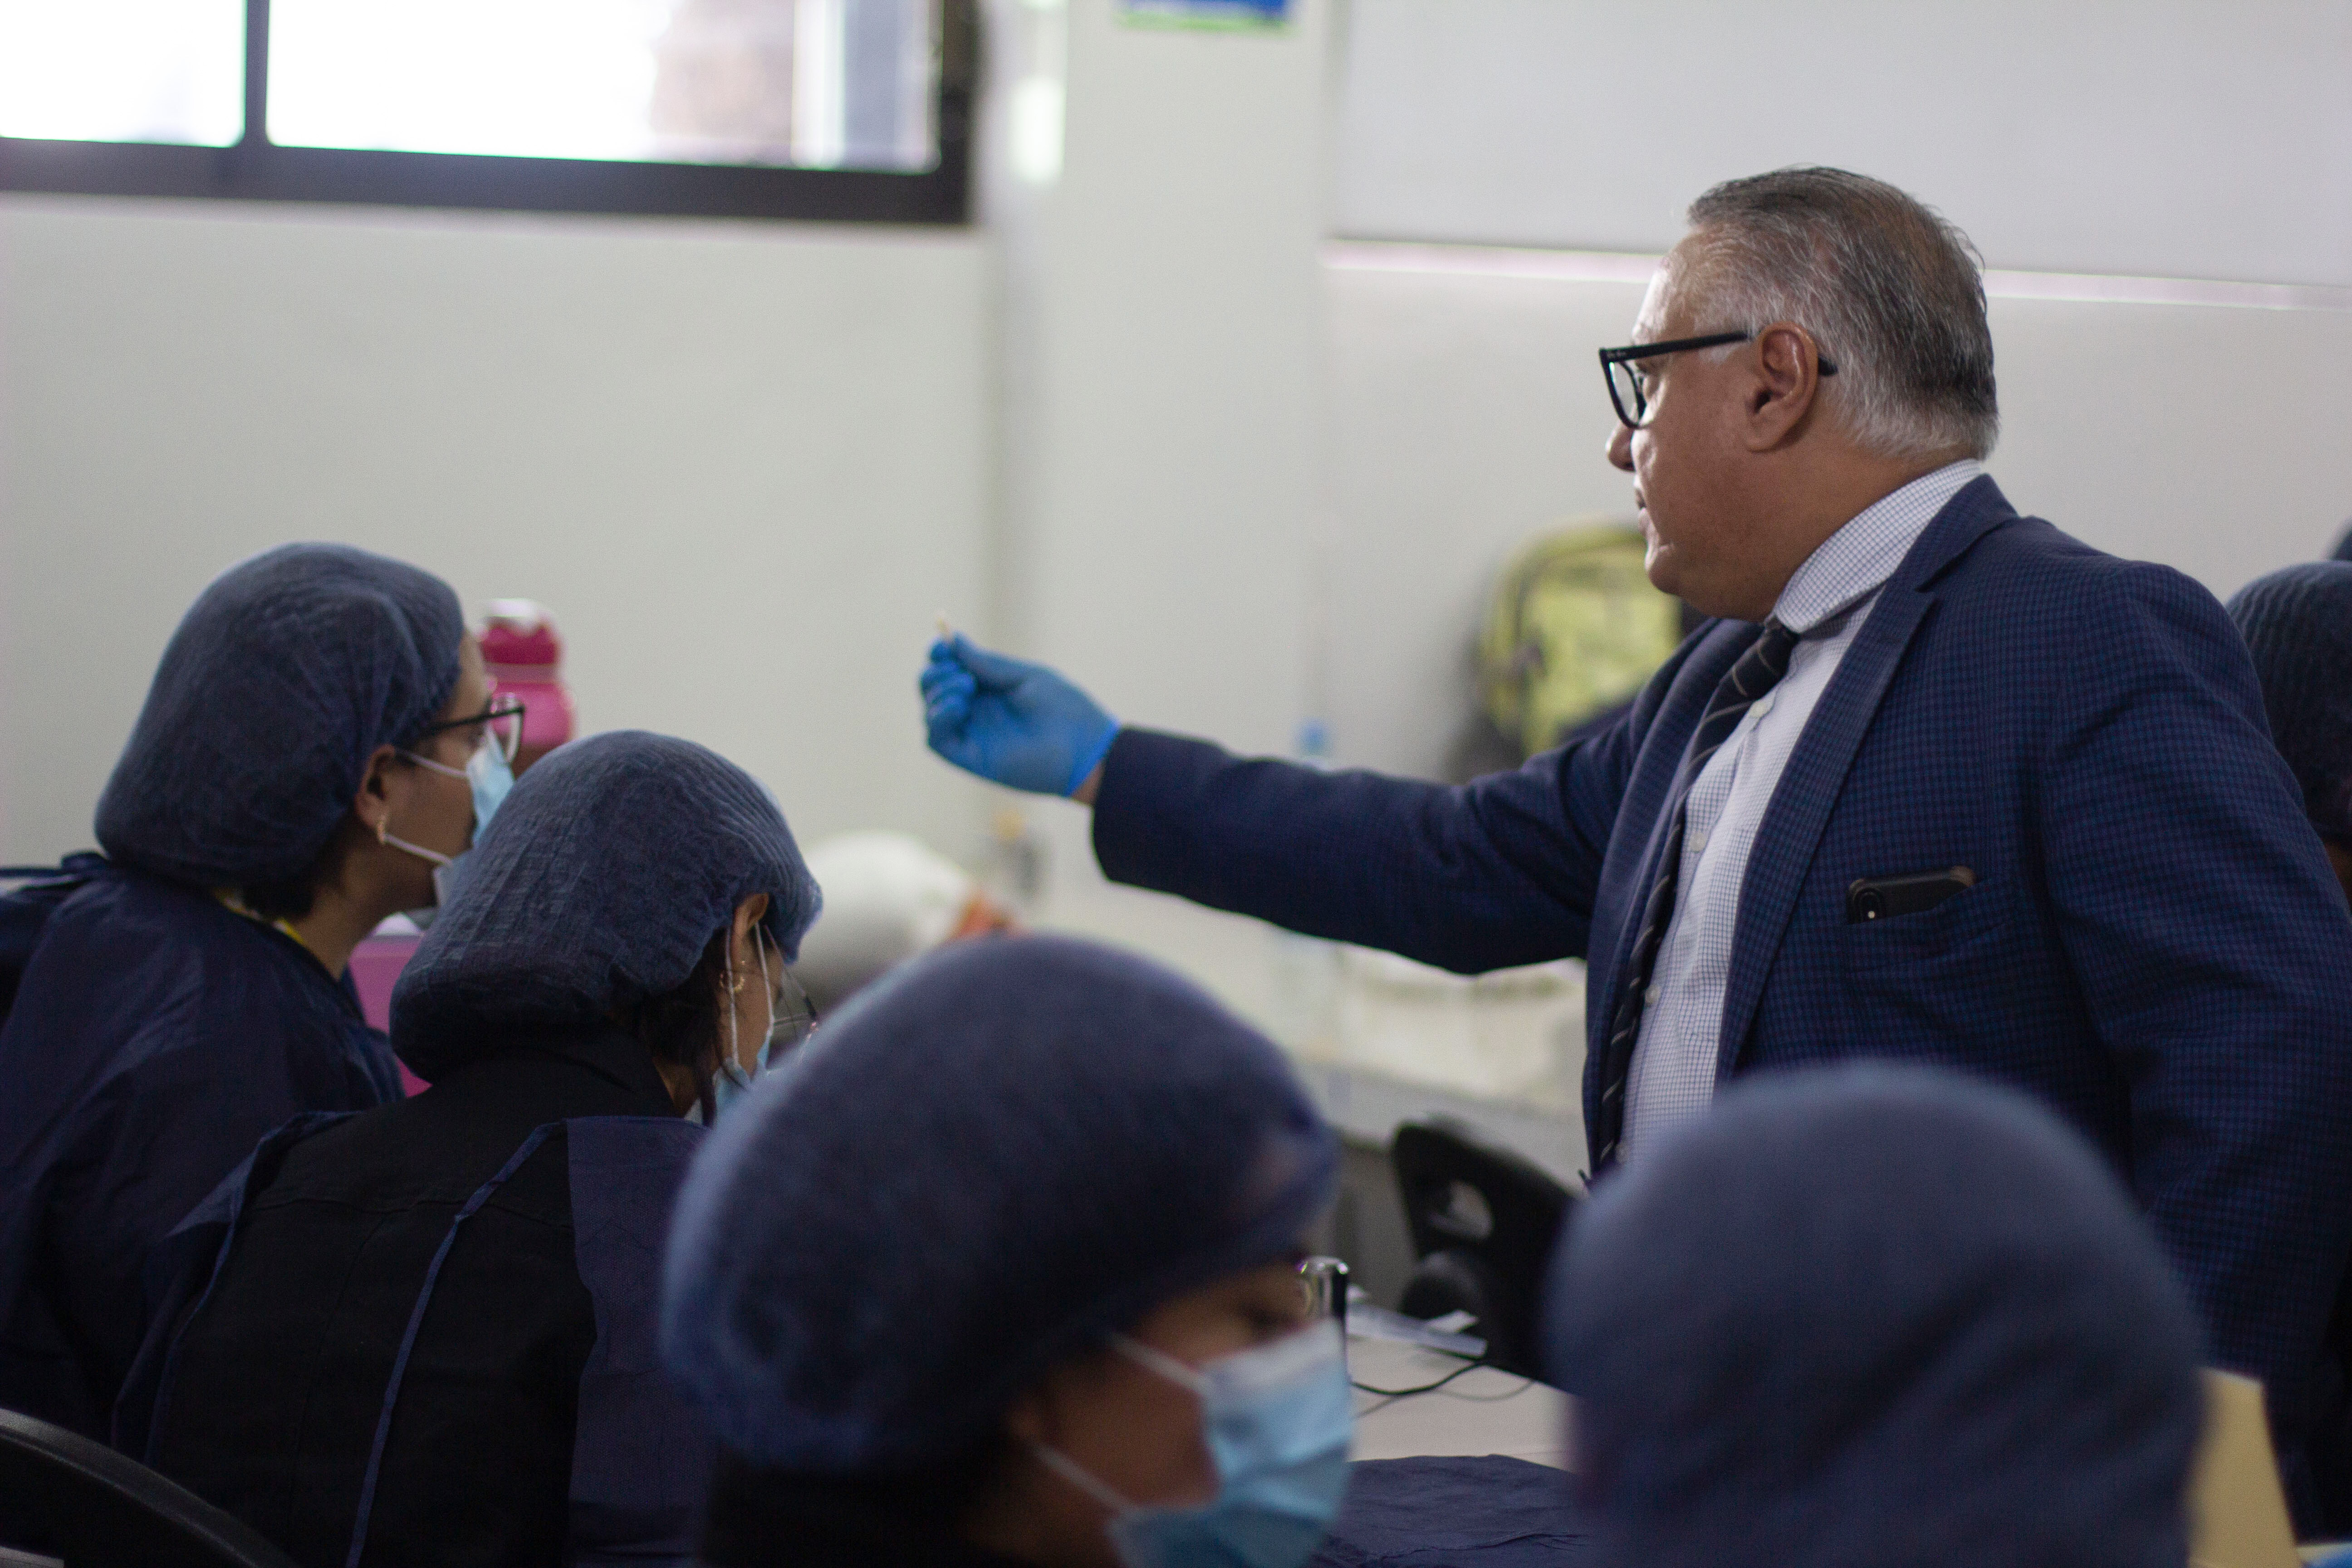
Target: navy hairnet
{"type": "Point", "coordinates": [285, 674]}
{"type": "Point", "coordinates": [992, 1158]}
{"type": "Point", "coordinates": [602, 878]}
{"type": "Point", "coordinates": [1874, 1317]}
{"type": "Point", "coordinates": [2298, 623]}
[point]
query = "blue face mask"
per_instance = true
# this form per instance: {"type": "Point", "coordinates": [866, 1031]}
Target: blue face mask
{"type": "Point", "coordinates": [785, 1030]}
{"type": "Point", "coordinates": [1277, 1420]}
{"type": "Point", "coordinates": [730, 1081]}
{"type": "Point", "coordinates": [486, 773]}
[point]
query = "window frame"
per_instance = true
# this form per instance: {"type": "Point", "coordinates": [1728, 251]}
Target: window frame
{"type": "Point", "coordinates": [257, 169]}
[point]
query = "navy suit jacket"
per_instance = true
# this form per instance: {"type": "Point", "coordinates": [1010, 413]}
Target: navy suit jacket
{"type": "Point", "coordinates": [2155, 944]}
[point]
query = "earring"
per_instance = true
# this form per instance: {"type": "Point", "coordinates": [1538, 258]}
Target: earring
{"type": "Point", "coordinates": [383, 827]}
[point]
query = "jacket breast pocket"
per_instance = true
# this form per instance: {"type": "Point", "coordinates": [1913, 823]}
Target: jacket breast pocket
{"type": "Point", "coordinates": [1949, 933]}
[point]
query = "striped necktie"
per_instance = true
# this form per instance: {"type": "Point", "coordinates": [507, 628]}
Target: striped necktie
{"type": "Point", "coordinates": [1758, 670]}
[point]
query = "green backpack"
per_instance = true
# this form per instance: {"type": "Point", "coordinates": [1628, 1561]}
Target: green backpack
{"type": "Point", "coordinates": [1572, 632]}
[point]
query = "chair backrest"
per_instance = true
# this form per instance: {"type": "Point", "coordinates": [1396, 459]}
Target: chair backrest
{"type": "Point", "coordinates": [1484, 1222]}
{"type": "Point", "coordinates": [70, 1498]}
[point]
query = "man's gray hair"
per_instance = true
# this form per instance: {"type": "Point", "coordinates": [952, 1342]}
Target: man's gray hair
{"type": "Point", "coordinates": [1889, 290]}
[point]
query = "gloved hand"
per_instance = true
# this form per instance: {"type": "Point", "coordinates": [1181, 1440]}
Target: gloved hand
{"type": "Point", "coordinates": [1019, 724]}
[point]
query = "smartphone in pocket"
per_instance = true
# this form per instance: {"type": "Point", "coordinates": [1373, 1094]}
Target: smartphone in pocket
{"type": "Point", "coordinates": [1884, 897]}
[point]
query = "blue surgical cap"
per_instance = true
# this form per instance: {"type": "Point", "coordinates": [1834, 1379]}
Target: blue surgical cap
{"type": "Point", "coordinates": [2298, 623]}
{"type": "Point", "coordinates": [1874, 1317]}
{"type": "Point", "coordinates": [610, 868]}
{"type": "Point", "coordinates": [990, 1160]}
{"type": "Point", "coordinates": [285, 676]}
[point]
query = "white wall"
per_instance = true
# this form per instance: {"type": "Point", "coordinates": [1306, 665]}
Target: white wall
{"type": "Point", "coordinates": [1177, 361]}
{"type": "Point", "coordinates": [1462, 423]}
{"type": "Point", "coordinates": [1469, 412]}
{"type": "Point", "coordinates": [1165, 415]}
{"type": "Point", "coordinates": [2175, 138]}
{"type": "Point", "coordinates": [744, 464]}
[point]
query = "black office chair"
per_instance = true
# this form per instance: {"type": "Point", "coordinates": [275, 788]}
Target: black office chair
{"type": "Point", "coordinates": [65, 1499]}
{"type": "Point", "coordinates": [1484, 1222]}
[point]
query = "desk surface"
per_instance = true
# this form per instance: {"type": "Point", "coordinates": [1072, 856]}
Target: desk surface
{"type": "Point", "coordinates": [1481, 1412]}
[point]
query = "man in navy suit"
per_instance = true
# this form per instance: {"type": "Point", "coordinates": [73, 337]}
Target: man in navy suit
{"type": "Point", "coordinates": [1937, 783]}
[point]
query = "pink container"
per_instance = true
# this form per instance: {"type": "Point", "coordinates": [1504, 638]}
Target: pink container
{"type": "Point", "coordinates": [525, 658]}
{"type": "Point", "coordinates": [376, 963]}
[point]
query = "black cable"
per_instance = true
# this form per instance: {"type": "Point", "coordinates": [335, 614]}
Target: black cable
{"type": "Point", "coordinates": [1426, 1387]}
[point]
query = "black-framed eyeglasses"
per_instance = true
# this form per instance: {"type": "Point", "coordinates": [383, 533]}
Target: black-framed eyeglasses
{"type": "Point", "coordinates": [501, 723]}
{"type": "Point", "coordinates": [1625, 394]}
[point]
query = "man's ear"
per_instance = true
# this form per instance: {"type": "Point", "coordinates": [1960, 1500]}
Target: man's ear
{"type": "Point", "coordinates": [1787, 384]}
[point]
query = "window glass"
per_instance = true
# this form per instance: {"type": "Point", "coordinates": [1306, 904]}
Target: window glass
{"type": "Point", "coordinates": [123, 70]}
{"type": "Point", "coordinates": [809, 83]}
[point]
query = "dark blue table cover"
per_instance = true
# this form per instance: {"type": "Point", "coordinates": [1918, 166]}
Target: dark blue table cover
{"type": "Point", "coordinates": [1489, 1513]}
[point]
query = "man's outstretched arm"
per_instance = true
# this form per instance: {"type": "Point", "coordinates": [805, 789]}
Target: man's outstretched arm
{"type": "Point", "coordinates": [1484, 875]}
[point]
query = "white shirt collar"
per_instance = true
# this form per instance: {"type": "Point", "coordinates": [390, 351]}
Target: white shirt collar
{"type": "Point", "coordinates": [1855, 561]}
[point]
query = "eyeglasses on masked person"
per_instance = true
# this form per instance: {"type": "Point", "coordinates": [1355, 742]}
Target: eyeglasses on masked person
{"type": "Point", "coordinates": [492, 737]}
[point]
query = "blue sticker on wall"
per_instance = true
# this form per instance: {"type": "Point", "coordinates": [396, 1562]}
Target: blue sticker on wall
{"type": "Point", "coordinates": [1256, 16]}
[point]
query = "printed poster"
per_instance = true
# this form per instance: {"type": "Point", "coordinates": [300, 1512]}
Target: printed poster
{"type": "Point", "coordinates": [1235, 15]}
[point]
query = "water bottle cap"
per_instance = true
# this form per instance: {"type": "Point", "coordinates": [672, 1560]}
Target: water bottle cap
{"type": "Point", "coordinates": [516, 633]}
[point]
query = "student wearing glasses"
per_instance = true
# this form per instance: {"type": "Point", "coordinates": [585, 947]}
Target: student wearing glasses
{"type": "Point", "coordinates": [298, 772]}
{"type": "Point", "coordinates": [426, 1334]}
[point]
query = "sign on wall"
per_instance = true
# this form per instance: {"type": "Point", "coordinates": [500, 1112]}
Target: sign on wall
{"type": "Point", "coordinates": [1231, 15]}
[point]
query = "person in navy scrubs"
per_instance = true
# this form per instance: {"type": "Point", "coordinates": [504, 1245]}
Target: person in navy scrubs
{"type": "Point", "coordinates": [297, 770]}
{"type": "Point", "coordinates": [2297, 623]}
{"type": "Point", "coordinates": [1874, 1315]}
{"type": "Point", "coordinates": [1002, 1272]}
{"type": "Point", "coordinates": [426, 1334]}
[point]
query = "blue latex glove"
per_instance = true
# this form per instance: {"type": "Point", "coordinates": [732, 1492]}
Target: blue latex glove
{"type": "Point", "coordinates": [1019, 724]}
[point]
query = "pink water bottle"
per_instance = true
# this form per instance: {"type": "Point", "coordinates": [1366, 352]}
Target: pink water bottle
{"type": "Point", "coordinates": [525, 658]}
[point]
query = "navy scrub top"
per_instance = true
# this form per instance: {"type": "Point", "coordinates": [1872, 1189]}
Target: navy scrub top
{"type": "Point", "coordinates": [157, 1036]}
{"type": "Point", "coordinates": [427, 1333]}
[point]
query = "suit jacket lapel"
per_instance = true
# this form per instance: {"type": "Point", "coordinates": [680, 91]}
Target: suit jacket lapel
{"type": "Point", "coordinates": [1808, 787]}
{"type": "Point", "coordinates": [1643, 821]}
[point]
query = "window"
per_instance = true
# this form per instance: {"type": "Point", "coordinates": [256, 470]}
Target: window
{"type": "Point", "coordinates": [165, 70]}
{"type": "Point", "coordinates": [837, 109]}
